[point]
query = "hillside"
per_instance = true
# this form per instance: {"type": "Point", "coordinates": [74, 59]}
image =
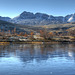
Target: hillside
{"type": "Point", "coordinates": [5, 26]}
{"type": "Point", "coordinates": [58, 27]}
{"type": "Point", "coordinates": [26, 28]}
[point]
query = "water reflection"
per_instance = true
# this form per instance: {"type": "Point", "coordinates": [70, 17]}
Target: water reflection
{"type": "Point", "coordinates": [28, 52]}
{"type": "Point", "coordinates": [31, 59]}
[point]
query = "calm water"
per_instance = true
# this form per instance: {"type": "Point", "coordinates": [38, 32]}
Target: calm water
{"type": "Point", "coordinates": [28, 59]}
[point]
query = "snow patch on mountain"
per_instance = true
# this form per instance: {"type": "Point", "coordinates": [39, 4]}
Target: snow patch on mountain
{"type": "Point", "coordinates": [72, 18]}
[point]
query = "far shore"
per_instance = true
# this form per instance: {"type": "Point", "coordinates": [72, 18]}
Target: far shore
{"type": "Point", "coordinates": [33, 42]}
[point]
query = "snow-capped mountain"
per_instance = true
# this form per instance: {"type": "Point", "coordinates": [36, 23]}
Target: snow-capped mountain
{"type": "Point", "coordinates": [28, 18]}
{"type": "Point", "coordinates": [72, 18]}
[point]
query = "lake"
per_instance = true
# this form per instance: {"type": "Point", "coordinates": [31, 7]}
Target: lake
{"type": "Point", "coordinates": [35, 59]}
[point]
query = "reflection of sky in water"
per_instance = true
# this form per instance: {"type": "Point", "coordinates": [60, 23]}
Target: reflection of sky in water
{"type": "Point", "coordinates": [37, 60]}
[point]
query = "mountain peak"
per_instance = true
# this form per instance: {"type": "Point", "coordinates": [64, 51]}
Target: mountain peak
{"type": "Point", "coordinates": [25, 12]}
{"type": "Point", "coordinates": [27, 15]}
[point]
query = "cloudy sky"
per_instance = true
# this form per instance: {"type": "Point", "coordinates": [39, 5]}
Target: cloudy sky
{"type": "Point", "coordinates": [12, 8]}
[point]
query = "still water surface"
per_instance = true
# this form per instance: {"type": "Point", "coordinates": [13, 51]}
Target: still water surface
{"type": "Point", "coordinates": [28, 59]}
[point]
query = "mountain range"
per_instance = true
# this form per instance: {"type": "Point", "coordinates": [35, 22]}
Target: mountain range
{"type": "Point", "coordinates": [28, 18]}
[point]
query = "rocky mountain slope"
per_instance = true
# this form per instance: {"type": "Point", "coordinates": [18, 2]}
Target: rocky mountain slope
{"type": "Point", "coordinates": [28, 18]}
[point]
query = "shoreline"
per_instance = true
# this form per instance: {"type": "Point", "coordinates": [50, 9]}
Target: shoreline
{"type": "Point", "coordinates": [34, 42]}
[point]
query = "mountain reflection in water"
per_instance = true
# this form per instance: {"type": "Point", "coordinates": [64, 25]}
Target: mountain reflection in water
{"type": "Point", "coordinates": [30, 59]}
